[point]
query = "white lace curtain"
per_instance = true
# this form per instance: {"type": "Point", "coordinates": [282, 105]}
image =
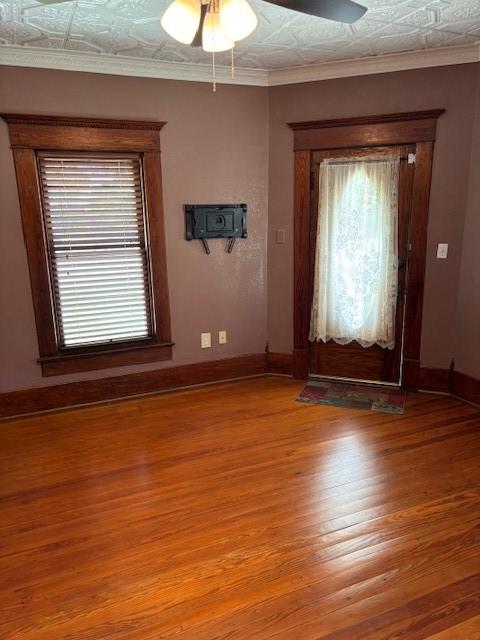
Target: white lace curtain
{"type": "Point", "coordinates": [355, 290]}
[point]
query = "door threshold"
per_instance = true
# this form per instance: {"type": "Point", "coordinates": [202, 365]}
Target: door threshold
{"type": "Point", "coordinates": [373, 383]}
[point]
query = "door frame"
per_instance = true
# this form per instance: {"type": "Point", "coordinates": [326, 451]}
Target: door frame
{"type": "Point", "coordinates": [391, 358]}
{"type": "Point", "coordinates": [418, 128]}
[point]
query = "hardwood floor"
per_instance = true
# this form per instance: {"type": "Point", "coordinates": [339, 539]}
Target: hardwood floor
{"type": "Point", "coordinates": [232, 512]}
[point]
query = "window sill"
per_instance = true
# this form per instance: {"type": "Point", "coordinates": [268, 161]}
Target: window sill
{"type": "Point", "coordinates": [106, 358]}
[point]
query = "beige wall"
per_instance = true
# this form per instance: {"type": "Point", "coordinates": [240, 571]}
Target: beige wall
{"type": "Point", "coordinates": [467, 329]}
{"type": "Point", "coordinates": [235, 146]}
{"type": "Point", "coordinates": [214, 149]}
{"type": "Point", "coordinates": [451, 88]}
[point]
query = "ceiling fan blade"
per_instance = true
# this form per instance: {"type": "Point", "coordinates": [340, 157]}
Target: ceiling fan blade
{"type": "Point", "coordinates": [197, 40]}
{"type": "Point", "coordinates": [338, 10]}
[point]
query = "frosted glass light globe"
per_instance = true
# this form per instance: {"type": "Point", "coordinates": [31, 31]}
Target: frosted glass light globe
{"type": "Point", "coordinates": [213, 36]}
{"type": "Point", "coordinates": [237, 18]}
{"type": "Point", "coordinates": [181, 20]}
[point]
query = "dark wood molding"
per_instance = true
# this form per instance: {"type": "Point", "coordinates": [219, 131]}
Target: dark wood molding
{"type": "Point", "coordinates": [69, 121]}
{"type": "Point", "coordinates": [280, 363]}
{"type": "Point", "coordinates": [152, 175]}
{"type": "Point", "coordinates": [30, 134]}
{"type": "Point", "coordinates": [466, 387]}
{"type": "Point", "coordinates": [368, 131]}
{"type": "Point", "coordinates": [27, 401]}
{"type": "Point", "coordinates": [54, 133]}
{"type": "Point", "coordinates": [410, 373]}
{"type": "Point", "coordinates": [417, 261]}
{"type": "Point", "coordinates": [301, 261]}
{"type": "Point", "coordinates": [437, 380]}
{"type": "Point", "coordinates": [300, 364]}
{"type": "Point", "coordinates": [67, 362]}
{"type": "Point", "coordinates": [418, 128]}
{"type": "Point", "coordinates": [55, 138]}
{"type": "Point", "coordinates": [33, 233]}
{"type": "Point", "coordinates": [406, 116]}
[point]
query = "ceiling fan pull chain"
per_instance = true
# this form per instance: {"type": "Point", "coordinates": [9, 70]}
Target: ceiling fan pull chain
{"type": "Point", "coordinates": [214, 88]}
{"type": "Point", "coordinates": [233, 64]}
{"type": "Point", "coordinates": [211, 7]}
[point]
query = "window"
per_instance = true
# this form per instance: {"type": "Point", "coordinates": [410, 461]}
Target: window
{"type": "Point", "coordinates": [93, 212]}
{"type": "Point", "coordinates": [94, 237]}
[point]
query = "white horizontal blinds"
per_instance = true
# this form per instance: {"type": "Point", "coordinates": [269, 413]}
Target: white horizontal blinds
{"type": "Point", "coordinates": [94, 222]}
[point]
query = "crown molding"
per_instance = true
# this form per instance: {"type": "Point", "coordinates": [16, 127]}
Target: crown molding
{"type": "Point", "coordinates": [139, 67]}
{"type": "Point", "coordinates": [127, 66]}
{"type": "Point", "coordinates": [440, 57]}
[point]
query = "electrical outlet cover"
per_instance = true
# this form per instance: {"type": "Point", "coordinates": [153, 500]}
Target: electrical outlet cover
{"type": "Point", "coordinates": [442, 251]}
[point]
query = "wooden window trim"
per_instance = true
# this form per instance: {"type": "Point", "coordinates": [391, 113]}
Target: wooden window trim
{"type": "Point", "coordinates": [418, 128]}
{"type": "Point", "coordinates": [30, 134]}
{"type": "Point", "coordinates": [366, 131]}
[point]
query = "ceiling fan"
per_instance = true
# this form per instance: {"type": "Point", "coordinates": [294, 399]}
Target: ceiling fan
{"type": "Point", "coordinates": [217, 24]}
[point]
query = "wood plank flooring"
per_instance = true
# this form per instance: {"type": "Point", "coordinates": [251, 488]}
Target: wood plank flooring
{"type": "Point", "coordinates": [232, 512]}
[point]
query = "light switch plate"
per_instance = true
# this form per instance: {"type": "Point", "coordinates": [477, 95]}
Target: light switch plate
{"type": "Point", "coordinates": [280, 236]}
{"type": "Point", "coordinates": [205, 340]}
{"type": "Point", "coordinates": [222, 337]}
{"type": "Point", "coordinates": [442, 251]}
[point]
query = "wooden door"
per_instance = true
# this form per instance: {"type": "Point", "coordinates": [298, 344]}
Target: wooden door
{"type": "Point", "coordinates": [351, 360]}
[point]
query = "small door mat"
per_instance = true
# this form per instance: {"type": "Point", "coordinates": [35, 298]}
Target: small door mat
{"type": "Point", "coordinates": [354, 395]}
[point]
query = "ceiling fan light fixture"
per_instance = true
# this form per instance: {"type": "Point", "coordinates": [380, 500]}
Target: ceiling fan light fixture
{"type": "Point", "coordinates": [237, 18]}
{"type": "Point", "coordinates": [181, 20]}
{"type": "Point", "coordinates": [213, 35]}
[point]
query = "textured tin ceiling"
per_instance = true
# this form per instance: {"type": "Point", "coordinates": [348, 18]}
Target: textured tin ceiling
{"type": "Point", "coordinates": [283, 38]}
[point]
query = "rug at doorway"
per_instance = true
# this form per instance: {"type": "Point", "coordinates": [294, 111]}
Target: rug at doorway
{"type": "Point", "coordinates": [354, 395]}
